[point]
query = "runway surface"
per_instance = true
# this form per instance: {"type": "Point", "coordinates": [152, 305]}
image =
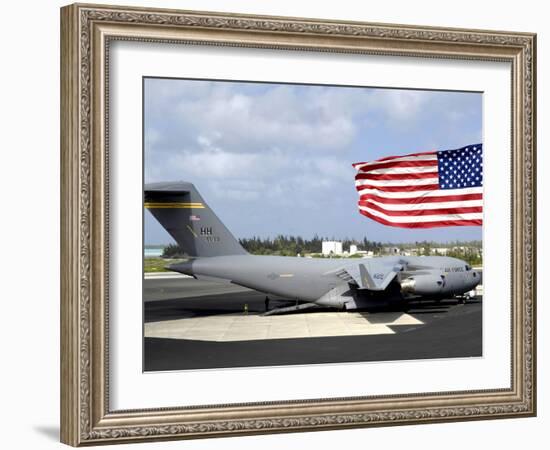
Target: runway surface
{"type": "Point", "coordinates": [192, 324]}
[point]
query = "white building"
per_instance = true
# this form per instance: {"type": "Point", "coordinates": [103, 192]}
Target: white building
{"type": "Point", "coordinates": [352, 249]}
{"type": "Point", "coordinates": [331, 248]}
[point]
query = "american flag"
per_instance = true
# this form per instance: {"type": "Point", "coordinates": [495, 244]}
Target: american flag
{"type": "Point", "coordinates": [423, 190]}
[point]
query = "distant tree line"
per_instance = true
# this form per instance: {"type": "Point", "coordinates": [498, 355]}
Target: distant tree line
{"type": "Point", "coordinates": [469, 255]}
{"type": "Point", "coordinates": [283, 245]}
{"type": "Point", "coordinates": [172, 251]}
{"type": "Point", "coordinates": [293, 245]}
{"type": "Point", "coordinates": [468, 251]}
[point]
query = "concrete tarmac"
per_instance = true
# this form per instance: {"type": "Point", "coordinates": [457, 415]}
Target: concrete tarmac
{"type": "Point", "coordinates": [428, 330]}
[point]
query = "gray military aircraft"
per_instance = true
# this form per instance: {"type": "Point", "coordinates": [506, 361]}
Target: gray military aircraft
{"type": "Point", "coordinates": [215, 254]}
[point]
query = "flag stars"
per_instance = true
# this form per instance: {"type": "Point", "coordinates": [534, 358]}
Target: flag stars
{"type": "Point", "coordinates": [460, 168]}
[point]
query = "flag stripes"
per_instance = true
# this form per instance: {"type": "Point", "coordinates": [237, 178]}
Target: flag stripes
{"type": "Point", "coordinates": [423, 190]}
{"type": "Point", "coordinates": [419, 205]}
{"type": "Point", "coordinates": [397, 176]}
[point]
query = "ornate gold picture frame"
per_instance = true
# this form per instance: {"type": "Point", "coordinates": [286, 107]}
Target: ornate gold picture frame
{"type": "Point", "coordinates": [87, 31]}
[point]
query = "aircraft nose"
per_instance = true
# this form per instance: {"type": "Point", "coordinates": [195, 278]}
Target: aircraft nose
{"type": "Point", "coordinates": [476, 278]}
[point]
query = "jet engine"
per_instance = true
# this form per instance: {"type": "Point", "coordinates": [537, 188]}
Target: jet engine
{"type": "Point", "coordinates": [428, 284]}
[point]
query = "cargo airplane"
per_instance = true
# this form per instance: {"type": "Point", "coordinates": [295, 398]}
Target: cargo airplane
{"type": "Point", "coordinates": [214, 254]}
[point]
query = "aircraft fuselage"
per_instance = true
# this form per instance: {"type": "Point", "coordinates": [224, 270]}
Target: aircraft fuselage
{"type": "Point", "coordinates": [310, 279]}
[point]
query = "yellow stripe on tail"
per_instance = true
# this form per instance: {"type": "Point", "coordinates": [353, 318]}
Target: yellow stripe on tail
{"type": "Point", "coordinates": [178, 205]}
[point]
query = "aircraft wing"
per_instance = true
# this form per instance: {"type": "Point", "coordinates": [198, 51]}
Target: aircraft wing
{"type": "Point", "coordinates": [369, 274]}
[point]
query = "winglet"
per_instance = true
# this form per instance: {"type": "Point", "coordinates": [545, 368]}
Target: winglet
{"type": "Point", "coordinates": [366, 280]}
{"type": "Point", "coordinates": [361, 274]}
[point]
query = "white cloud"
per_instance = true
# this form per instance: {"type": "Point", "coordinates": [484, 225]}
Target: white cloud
{"type": "Point", "coordinates": [399, 104]}
{"type": "Point", "coordinates": [244, 121]}
{"type": "Point", "coordinates": [217, 162]}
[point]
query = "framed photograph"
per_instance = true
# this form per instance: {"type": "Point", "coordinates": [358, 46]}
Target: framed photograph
{"type": "Point", "coordinates": [277, 224]}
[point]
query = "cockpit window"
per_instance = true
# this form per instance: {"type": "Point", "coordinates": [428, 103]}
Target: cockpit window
{"type": "Point", "coordinates": [468, 268]}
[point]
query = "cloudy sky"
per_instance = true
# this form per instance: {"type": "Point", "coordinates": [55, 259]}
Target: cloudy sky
{"type": "Point", "coordinates": [276, 158]}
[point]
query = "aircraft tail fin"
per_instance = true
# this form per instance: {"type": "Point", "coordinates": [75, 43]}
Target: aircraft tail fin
{"type": "Point", "coordinates": [184, 214]}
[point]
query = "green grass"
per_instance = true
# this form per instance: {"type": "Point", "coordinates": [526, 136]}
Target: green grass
{"type": "Point", "coordinates": [157, 264]}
